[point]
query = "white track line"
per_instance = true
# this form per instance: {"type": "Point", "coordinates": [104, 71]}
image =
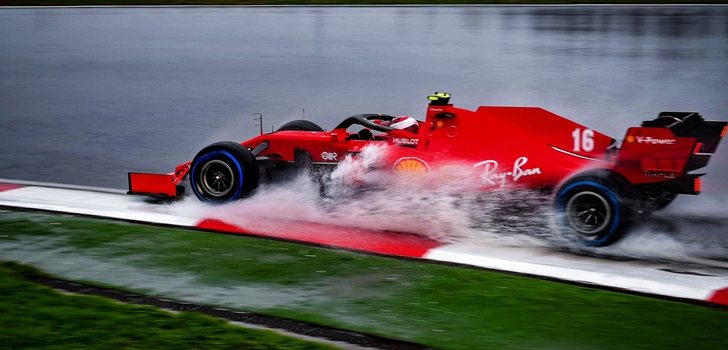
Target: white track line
{"type": "Point", "coordinates": [638, 276]}
{"type": "Point", "coordinates": [110, 205]}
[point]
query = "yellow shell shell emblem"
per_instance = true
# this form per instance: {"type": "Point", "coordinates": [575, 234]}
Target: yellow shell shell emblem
{"type": "Point", "coordinates": [410, 166]}
{"type": "Point", "coordinates": [630, 138]}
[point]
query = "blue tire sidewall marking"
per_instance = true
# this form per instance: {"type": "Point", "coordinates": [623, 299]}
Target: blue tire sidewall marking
{"type": "Point", "coordinates": [611, 196]}
{"type": "Point", "coordinates": [213, 154]}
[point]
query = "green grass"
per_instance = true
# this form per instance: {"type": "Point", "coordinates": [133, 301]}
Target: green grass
{"type": "Point", "coordinates": [335, 2]}
{"type": "Point", "coordinates": [441, 306]}
{"type": "Point", "coordinates": [37, 317]}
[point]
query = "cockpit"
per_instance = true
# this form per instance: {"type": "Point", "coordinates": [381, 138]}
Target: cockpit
{"type": "Point", "coordinates": [378, 127]}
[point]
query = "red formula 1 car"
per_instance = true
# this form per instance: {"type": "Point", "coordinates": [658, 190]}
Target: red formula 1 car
{"type": "Point", "coordinates": [598, 184]}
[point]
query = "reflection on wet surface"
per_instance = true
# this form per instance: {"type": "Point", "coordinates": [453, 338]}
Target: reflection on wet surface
{"type": "Point", "coordinates": [675, 22]}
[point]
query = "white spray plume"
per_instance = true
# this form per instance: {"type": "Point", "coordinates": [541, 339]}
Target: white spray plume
{"type": "Point", "coordinates": [447, 205]}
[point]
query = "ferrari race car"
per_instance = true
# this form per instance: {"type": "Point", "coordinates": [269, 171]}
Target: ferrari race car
{"type": "Point", "coordinates": [598, 185]}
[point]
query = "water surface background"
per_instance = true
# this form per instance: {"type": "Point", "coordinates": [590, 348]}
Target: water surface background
{"type": "Point", "coordinates": [87, 94]}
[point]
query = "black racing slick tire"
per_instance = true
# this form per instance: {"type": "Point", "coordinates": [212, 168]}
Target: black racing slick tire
{"type": "Point", "coordinates": [223, 172]}
{"type": "Point", "coordinates": [595, 210]}
{"type": "Point", "coordinates": [300, 125]}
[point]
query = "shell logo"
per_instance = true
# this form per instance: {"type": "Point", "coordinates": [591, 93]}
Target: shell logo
{"type": "Point", "coordinates": [411, 166]}
{"type": "Point", "coordinates": [630, 139]}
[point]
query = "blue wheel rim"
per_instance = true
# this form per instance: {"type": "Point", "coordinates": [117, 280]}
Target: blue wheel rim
{"type": "Point", "coordinates": [211, 156]}
{"type": "Point", "coordinates": [611, 198]}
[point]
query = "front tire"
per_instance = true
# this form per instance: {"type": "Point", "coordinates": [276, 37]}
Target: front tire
{"type": "Point", "coordinates": [594, 210]}
{"type": "Point", "coordinates": [223, 172]}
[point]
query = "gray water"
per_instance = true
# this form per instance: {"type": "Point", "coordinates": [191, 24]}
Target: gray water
{"type": "Point", "coordinates": [88, 94]}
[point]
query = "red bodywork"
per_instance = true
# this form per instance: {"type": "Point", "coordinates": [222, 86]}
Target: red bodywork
{"type": "Point", "coordinates": [526, 147]}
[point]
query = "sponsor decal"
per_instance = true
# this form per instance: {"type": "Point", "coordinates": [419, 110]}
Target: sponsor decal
{"type": "Point", "coordinates": [405, 141]}
{"type": "Point", "coordinates": [659, 174]}
{"type": "Point", "coordinates": [452, 131]}
{"type": "Point", "coordinates": [491, 176]}
{"type": "Point", "coordinates": [330, 156]}
{"type": "Point", "coordinates": [653, 141]}
{"type": "Point", "coordinates": [411, 166]}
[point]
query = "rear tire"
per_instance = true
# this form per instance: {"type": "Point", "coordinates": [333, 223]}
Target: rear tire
{"type": "Point", "coordinates": [300, 125]}
{"type": "Point", "coordinates": [223, 172]}
{"type": "Point", "coordinates": [595, 210]}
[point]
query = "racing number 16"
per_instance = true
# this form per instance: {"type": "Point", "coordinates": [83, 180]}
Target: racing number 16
{"type": "Point", "coordinates": [583, 140]}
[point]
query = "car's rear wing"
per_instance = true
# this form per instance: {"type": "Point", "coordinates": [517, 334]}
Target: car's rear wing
{"type": "Point", "coordinates": [691, 124]}
{"type": "Point", "coordinates": [670, 146]}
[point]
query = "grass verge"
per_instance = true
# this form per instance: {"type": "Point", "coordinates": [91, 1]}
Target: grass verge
{"type": "Point", "coordinates": [440, 306]}
{"type": "Point", "coordinates": [37, 317]}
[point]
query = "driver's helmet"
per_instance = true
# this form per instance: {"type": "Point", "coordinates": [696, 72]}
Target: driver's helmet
{"type": "Point", "coordinates": [405, 123]}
